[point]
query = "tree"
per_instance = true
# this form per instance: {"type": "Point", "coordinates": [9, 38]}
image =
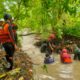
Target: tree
{"type": "Point", "coordinates": [43, 16]}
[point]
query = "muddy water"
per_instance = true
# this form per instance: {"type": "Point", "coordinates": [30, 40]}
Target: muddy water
{"type": "Point", "coordinates": [55, 71]}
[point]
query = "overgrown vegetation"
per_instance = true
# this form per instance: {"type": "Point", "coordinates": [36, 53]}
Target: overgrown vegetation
{"type": "Point", "coordinates": [23, 68]}
{"type": "Point", "coordinates": [44, 16]}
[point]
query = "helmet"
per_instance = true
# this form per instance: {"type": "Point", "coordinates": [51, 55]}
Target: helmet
{"type": "Point", "coordinates": [52, 36]}
{"type": "Point", "coordinates": [7, 16]}
{"type": "Point", "coordinates": [64, 50]}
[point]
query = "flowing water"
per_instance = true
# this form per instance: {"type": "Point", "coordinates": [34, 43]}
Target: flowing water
{"type": "Point", "coordinates": [55, 71]}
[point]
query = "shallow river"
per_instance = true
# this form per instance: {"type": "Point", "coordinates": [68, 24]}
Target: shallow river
{"type": "Point", "coordinates": [55, 71]}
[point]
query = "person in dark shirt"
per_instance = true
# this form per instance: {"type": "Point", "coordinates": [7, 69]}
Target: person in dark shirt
{"type": "Point", "coordinates": [76, 52]}
{"type": "Point", "coordinates": [9, 45]}
{"type": "Point", "coordinates": [14, 29]}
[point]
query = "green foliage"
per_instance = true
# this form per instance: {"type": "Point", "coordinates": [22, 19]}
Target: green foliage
{"type": "Point", "coordinates": [73, 31]}
{"type": "Point", "coordinates": [43, 16]}
{"type": "Point", "coordinates": [45, 68]}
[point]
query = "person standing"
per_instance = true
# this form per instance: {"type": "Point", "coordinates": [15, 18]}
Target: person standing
{"type": "Point", "coordinates": [9, 44]}
{"type": "Point", "coordinates": [76, 52]}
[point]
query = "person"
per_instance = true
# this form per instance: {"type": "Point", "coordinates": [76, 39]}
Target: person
{"type": "Point", "coordinates": [53, 41]}
{"type": "Point", "coordinates": [1, 23]}
{"type": "Point", "coordinates": [76, 52]}
{"type": "Point", "coordinates": [9, 44]}
{"type": "Point", "coordinates": [43, 47]}
{"type": "Point", "coordinates": [65, 56]}
{"type": "Point", "coordinates": [48, 59]}
{"type": "Point", "coordinates": [46, 47]}
{"type": "Point", "coordinates": [14, 29]}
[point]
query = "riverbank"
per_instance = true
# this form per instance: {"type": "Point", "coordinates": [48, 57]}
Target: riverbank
{"type": "Point", "coordinates": [22, 69]}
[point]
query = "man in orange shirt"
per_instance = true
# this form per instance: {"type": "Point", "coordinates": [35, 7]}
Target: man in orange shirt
{"type": "Point", "coordinates": [9, 44]}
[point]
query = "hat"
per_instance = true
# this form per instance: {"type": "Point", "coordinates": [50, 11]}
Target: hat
{"type": "Point", "coordinates": [7, 16]}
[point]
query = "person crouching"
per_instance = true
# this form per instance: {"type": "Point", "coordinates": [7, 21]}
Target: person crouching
{"type": "Point", "coordinates": [48, 59]}
{"type": "Point", "coordinates": [65, 57]}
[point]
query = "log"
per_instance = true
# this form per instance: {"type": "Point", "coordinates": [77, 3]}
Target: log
{"type": "Point", "coordinates": [28, 34]}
